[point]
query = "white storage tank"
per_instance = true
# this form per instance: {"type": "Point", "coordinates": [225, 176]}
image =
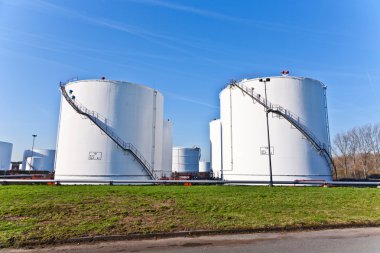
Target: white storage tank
{"type": "Point", "coordinates": [204, 167]}
{"type": "Point", "coordinates": [186, 160]}
{"type": "Point", "coordinates": [39, 159]}
{"type": "Point", "coordinates": [242, 149]}
{"type": "Point", "coordinates": [5, 155]}
{"type": "Point", "coordinates": [111, 130]}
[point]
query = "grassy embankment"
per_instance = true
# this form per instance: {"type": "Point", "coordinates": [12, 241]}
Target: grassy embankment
{"type": "Point", "coordinates": [45, 214]}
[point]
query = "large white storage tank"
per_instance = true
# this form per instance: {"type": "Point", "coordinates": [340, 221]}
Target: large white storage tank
{"type": "Point", "coordinates": [39, 159]}
{"type": "Point", "coordinates": [131, 144]}
{"type": "Point", "coordinates": [5, 155]}
{"type": "Point", "coordinates": [186, 160]}
{"type": "Point", "coordinates": [243, 127]}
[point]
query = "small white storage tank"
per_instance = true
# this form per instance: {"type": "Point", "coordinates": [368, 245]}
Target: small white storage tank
{"type": "Point", "coordinates": [204, 167]}
{"type": "Point", "coordinates": [186, 160]}
{"type": "Point", "coordinates": [39, 159]}
{"type": "Point", "coordinates": [127, 143]}
{"type": "Point", "coordinates": [5, 155]}
{"type": "Point", "coordinates": [242, 150]}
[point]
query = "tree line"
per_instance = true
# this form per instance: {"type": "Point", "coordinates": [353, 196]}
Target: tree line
{"type": "Point", "coordinates": [356, 153]}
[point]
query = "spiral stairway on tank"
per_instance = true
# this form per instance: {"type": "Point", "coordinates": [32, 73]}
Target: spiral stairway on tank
{"type": "Point", "coordinates": [100, 122]}
{"type": "Point", "coordinates": [291, 118]}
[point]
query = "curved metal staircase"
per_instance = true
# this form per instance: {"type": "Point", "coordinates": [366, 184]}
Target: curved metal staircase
{"type": "Point", "coordinates": [101, 122]}
{"type": "Point", "coordinates": [293, 119]}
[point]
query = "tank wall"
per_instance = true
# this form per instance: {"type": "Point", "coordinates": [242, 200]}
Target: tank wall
{"type": "Point", "coordinates": [245, 134]}
{"type": "Point", "coordinates": [5, 155]}
{"type": "Point", "coordinates": [204, 167]}
{"type": "Point", "coordinates": [186, 160]}
{"type": "Point", "coordinates": [216, 147]}
{"type": "Point", "coordinates": [158, 133]}
{"type": "Point", "coordinates": [133, 112]}
{"type": "Point", "coordinates": [167, 149]}
{"type": "Point", "coordinates": [305, 97]}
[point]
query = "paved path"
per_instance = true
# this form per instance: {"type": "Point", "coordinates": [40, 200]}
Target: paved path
{"type": "Point", "coordinates": [332, 241]}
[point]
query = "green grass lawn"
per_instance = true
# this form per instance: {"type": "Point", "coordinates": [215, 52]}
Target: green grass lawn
{"type": "Point", "coordinates": [42, 213]}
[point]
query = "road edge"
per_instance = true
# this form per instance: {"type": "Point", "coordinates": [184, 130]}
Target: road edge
{"type": "Point", "coordinates": [192, 233]}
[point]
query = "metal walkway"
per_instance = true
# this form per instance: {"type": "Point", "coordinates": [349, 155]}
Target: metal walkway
{"type": "Point", "coordinates": [293, 119]}
{"type": "Point", "coordinates": [101, 122]}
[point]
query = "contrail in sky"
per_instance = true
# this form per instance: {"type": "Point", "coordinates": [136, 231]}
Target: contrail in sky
{"type": "Point", "coordinates": [190, 100]}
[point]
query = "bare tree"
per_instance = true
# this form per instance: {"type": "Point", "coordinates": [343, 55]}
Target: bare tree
{"type": "Point", "coordinates": [365, 140]}
{"type": "Point", "coordinates": [341, 149]}
{"type": "Point", "coordinates": [375, 145]}
{"type": "Point", "coordinates": [357, 152]}
{"type": "Point", "coordinates": [353, 148]}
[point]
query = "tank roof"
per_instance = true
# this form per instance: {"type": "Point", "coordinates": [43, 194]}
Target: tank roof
{"type": "Point", "coordinates": [277, 77]}
{"type": "Point", "coordinates": [282, 77]}
{"type": "Point", "coordinates": [179, 147]}
{"type": "Point", "coordinates": [4, 142]}
{"type": "Point", "coordinates": [111, 81]}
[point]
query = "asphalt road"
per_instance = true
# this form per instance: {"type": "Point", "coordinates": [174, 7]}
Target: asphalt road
{"type": "Point", "coordinates": [333, 241]}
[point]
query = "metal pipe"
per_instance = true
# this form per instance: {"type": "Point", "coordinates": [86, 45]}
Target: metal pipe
{"type": "Point", "coordinates": [208, 182]}
{"type": "Point", "coordinates": [269, 152]}
{"type": "Point", "coordinates": [31, 157]}
{"type": "Point", "coordinates": [267, 111]}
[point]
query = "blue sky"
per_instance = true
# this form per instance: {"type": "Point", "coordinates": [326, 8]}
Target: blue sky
{"type": "Point", "coordinates": [188, 50]}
